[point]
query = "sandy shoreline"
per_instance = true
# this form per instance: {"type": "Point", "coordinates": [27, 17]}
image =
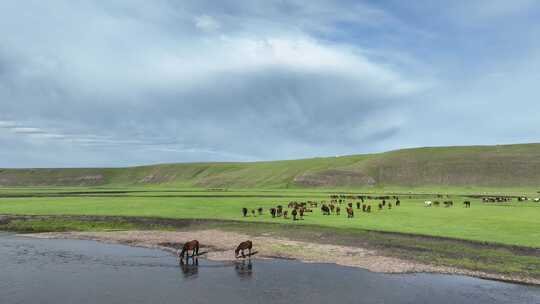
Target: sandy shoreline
{"type": "Point", "coordinates": [220, 246]}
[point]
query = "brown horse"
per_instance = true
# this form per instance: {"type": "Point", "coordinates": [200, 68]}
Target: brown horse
{"type": "Point", "coordinates": [191, 245]}
{"type": "Point", "coordinates": [243, 246]}
{"type": "Point", "coordinates": [350, 212]}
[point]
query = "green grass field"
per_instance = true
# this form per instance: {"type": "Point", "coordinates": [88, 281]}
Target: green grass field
{"type": "Point", "coordinates": [514, 223]}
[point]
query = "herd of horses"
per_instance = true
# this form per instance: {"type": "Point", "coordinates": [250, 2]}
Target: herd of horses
{"type": "Point", "coordinates": [297, 210]}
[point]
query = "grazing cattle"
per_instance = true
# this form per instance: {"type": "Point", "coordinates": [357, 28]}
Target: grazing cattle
{"type": "Point", "coordinates": [380, 206]}
{"type": "Point", "coordinates": [350, 205]}
{"type": "Point", "coordinates": [301, 213]}
{"type": "Point", "coordinates": [448, 204]}
{"type": "Point", "coordinates": [244, 211]}
{"type": "Point", "coordinates": [253, 212]}
{"type": "Point", "coordinates": [350, 212]}
{"type": "Point", "coordinates": [332, 208]}
{"type": "Point", "coordinates": [428, 203]}
{"type": "Point", "coordinates": [384, 203]}
{"type": "Point", "coordinates": [247, 245]}
{"type": "Point", "coordinates": [436, 203]}
{"type": "Point", "coordinates": [389, 205]}
{"type": "Point", "coordinates": [260, 210]}
{"type": "Point", "coordinates": [294, 213]}
{"type": "Point", "coordinates": [357, 205]}
{"type": "Point", "coordinates": [368, 209]}
{"type": "Point", "coordinates": [273, 212]}
{"type": "Point", "coordinates": [338, 210]}
{"type": "Point", "coordinates": [364, 206]}
{"type": "Point", "coordinates": [191, 245]}
{"type": "Point", "coordinates": [467, 204]}
{"type": "Point", "coordinates": [398, 203]}
{"type": "Point", "coordinates": [536, 200]}
{"type": "Point", "coordinates": [286, 214]}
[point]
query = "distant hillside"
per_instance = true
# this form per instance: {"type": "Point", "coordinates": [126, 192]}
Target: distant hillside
{"type": "Point", "coordinates": [482, 166]}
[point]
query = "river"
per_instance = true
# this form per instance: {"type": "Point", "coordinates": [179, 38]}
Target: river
{"type": "Point", "coordinates": [73, 271]}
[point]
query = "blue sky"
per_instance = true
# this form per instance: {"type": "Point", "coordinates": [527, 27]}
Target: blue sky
{"type": "Point", "coordinates": [118, 83]}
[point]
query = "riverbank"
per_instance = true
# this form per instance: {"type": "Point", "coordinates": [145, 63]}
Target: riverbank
{"type": "Point", "coordinates": [220, 246]}
{"type": "Point", "coordinates": [375, 251]}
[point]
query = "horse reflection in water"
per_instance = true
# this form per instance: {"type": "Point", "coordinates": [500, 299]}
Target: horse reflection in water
{"type": "Point", "coordinates": [190, 269]}
{"type": "Point", "coordinates": [244, 269]}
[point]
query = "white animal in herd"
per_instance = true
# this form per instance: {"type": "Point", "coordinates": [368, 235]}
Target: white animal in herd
{"type": "Point", "coordinates": [427, 203]}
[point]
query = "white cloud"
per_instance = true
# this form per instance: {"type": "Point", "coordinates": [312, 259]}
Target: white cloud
{"type": "Point", "coordinates": [207, 23]}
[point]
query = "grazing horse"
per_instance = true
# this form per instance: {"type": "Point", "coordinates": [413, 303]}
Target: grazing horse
{"type": "Point", "coordinates": [191, 245]}
{"type": "Point", "coordinates": [325, 210]}
{"type": "Point", "coordinates": [279, 210]}
{"type": "Point", "coordinates": [467, 204]}
{"type": "Point", "coordinates": [244, 211]}
{"type": "Point", "coordinates": [350, 212]}
{"type": "Point", "coordinates": [243, 246]}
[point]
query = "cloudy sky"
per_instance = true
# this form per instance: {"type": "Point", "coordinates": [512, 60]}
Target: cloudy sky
{"type": "Point", "coordinates": [117, 83]}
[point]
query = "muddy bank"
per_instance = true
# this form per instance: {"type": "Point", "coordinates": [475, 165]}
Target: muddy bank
{"type": "Point", "coordinates": [221, 244]}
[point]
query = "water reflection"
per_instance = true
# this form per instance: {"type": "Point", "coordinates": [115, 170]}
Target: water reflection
{"type": "Point", "coordinates": [190, 269]}
{"type": "Point", "coordinates": [244, 269]}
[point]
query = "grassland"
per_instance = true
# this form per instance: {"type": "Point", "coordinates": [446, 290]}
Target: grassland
{"type": "Point", "coordinates": [515, 223]}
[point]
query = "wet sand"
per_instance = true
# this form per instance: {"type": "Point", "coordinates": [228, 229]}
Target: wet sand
{"type": "Point", "coordinates": [221, 244]}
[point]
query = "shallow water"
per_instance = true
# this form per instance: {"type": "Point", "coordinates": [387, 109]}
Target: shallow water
{"type": "Point", "coordinates": [69, 271]}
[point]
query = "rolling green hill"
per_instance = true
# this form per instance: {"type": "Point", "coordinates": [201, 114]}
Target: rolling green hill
{"type": "Point", "coordinates": [478, 166]}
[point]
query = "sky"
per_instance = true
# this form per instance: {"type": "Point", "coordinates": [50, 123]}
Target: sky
{"type": "Point", "coordinates": [121, 83]}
